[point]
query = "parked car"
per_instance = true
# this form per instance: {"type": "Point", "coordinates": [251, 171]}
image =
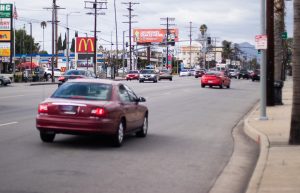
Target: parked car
{"type": "Point", "coordinates": [233, 73]}
{"type": "Point", "coordinates": [192, 71]}
{"type": "Point", "coordinates": [76, 74]}
{"type": "Point", "coordinates": [133, 75]}
{"type": "Point", "coordinates": [148, 75]}
{"type": "Point", "coordinates": [92, 106]}
{"type": "Point", "coordinates": [243, 74]}
{"type": "Point", "coordinates": [165, 74]}
{"type": "Point", "coordinates": [255, 75]}
{"type": "Point", "coordinates": [184, 72]}
{"type": "Point", "coordinates": [199, 73]}
{"type": "Point", "coordinates": [4, 81]}
{"type": "Point", "coordinates": [215, 78]}
{"type": "Point", "coordinates": [48, 72]}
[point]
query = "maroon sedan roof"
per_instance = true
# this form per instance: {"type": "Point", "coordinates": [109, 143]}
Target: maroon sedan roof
{"type": "Point", "coordinates": [103, 81]}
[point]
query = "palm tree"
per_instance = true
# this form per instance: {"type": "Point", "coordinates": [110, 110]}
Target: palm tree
{"type": "Point", "coordinates": [279, 28]}
{"type": "Point", "coordinates": [203, 29]}
{"type": "Point", "coordinates": [295, 120]}
{"type": "Point", "coordinates": [43, 25]}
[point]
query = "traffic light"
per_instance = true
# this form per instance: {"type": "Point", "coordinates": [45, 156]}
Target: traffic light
{"type": "Point", "coordinates": [208, 40]}
{"type": "Point", "coordinates": [164, 60]}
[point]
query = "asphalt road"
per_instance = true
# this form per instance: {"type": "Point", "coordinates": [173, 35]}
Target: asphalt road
{"type": "Point", "coordinates": [188, 144]}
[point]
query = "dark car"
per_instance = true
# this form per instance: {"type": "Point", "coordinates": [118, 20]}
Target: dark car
{"type": "Point", "coordinates": [148, 75]}
{"type": "Point", "coordinates": [4, 81]}
{"type": "Point", "coordinates": [92, 106]}
{"type": "Point", "coordinates": [165, 74]}
{"type": "Point", "coordinates": [243, 74]}
{"type": "Point", "coordinates": [199, 73]}
{"type": "Point", "coordinates": [76, 74]}
{"type": "Point", "coordinates": [132, 75]}
{"type": "Point", "coordinates": [255, 75]}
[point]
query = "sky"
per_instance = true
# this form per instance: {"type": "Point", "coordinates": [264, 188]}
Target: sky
{"type": "Point", "coordinates": [232, 20]}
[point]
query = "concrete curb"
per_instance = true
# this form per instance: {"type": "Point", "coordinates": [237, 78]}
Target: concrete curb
{"type": "Point", "coordinates": [264, 144]}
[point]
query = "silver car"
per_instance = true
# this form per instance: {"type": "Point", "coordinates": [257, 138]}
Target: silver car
{"type": "Point", "coordinates": [148, 75]}
{"type": "Point", "coordinates": [4, 80]}
{"type": "Point", "coordinates": [165, 74]}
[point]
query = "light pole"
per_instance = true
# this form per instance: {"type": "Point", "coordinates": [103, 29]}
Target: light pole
{"type": "Point", "coordinates": [68, 42]}
{"type": "Point", "coordinates": [87, 55]}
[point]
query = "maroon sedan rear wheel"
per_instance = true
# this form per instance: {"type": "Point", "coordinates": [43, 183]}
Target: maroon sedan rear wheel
{"type": "Point", "coordinates": [47, 137]}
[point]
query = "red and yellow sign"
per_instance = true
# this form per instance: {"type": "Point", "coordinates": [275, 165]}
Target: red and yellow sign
{"type": "Point", "coordinates": [85, 45]}
{"type": "Point", "coordinates": [154, 35]}
{"type": "Point", "coordinates": [5, 36]}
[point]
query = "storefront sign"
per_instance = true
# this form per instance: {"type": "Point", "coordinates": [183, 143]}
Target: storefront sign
{"type": "Point", "coordinates": [5, 10]}
{"type": "Point", "coordinates": [5, 24]}
{"type": "Point", "coordinates": [5, 36]}
{"type": "Point", "coordinates": [85, 45]}
{"type": "Point", "coordinates": [4, 49]}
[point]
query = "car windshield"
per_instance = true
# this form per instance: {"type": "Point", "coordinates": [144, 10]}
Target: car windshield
{"type": "Point", "coordinates": [85, 91]}
{"type": "Point", "coordinates": [133, 72]}
{"type": "Point", "coordinates": [75, 72]}
{"type": "Point", "coordinates": [147, 72]}
{"type": "Point", "coordinates": [183, 70]}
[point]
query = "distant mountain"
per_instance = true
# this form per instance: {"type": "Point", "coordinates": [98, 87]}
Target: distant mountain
{"type": "Point", "coordinates": [248, 50]}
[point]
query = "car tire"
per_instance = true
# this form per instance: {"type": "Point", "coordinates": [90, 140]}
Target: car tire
{"type": "Point", "coordinates": [144, 128]}
{"type": "Point", "coordinates": [202, 85]}
{"type": "Point", "coordinates": [210, 86]}
{"type": "Point", "coordinates": [228, 86]}
{"type": "Point", "coordinates": [221, 86]}
{"type": "Point", "coordinates": [47, 137]}
{"type": "Point", "coordinates": [171, 79]}
{"type": "Point", "coordinates": [141, 81]}
{"type": "Point", "coordinates": [118, 137]}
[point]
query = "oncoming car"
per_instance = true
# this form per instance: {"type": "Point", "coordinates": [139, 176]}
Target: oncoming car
{"type": "Point", "coordinates": [92, 106]}
{"type": "Point", "coordinates": [148, 75]}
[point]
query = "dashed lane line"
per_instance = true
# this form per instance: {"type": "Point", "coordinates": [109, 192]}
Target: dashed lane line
{"type": "Point", "coordinates": [11, 123]}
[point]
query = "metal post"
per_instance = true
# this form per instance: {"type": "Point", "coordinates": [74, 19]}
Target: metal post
{"type": "Point", "coordinates": [95, 38]}
{"type": "Point", "coordinates": [117, 45]}
{"type": "Point", "coordinates": [130, 48]}
{"type": "Point", "coordinates": [31, 41]}
{"type": "Point", "coordinates": [68, 52]}
{"type": "Point", "coordinates": [263, 77]}
{"type": "Point", "coordinates": [167, 43]}
{"type": "Point", "coordinates": [53, 44]}
{"type": "Point", "coordinates": [123, 58]}
{"type": "Point", "coordinates": [87, 55]}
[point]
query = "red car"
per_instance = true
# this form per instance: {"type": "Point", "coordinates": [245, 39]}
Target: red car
{"type": "Point", "coordinates": [215, 78]}
{"type": "Point", "coordinates": [92, 106]}
{"type": "Point", "coordinates": [133, 75]}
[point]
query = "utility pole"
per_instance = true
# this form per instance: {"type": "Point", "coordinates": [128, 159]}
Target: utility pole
{"type": "Point", "coordinates": [54, 28]}
{"type": "Point", "coordinates": [270, 53]}
{"type": "Point", "coordinates": [190, 36]}
{"type": "Point", "coordinates": [130, 16]}
{"type": "Point", "coordinates": [97, 5]}
{"type": "Point", "coordinates": [117, 44]}
{"type": "Point", "coordinates": [68, 39]}
{"type": "Point", "coordinates": [31, 41]}
{"type": "Point", "coordinates": [87, 54]}
{"type": "Point", "coordinates": [167, 19]}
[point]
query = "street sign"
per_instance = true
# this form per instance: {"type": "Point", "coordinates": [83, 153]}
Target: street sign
{"type": "Point", "coordinates": [284, 35]}
{"type": "Point", "coordinates": [261, 42]}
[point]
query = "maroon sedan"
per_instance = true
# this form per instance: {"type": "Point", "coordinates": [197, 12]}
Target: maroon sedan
{"type": "Point", "coordinates": [215, 78]}
{"type": "Point", "coordinates": [133, 75]}
{"type": "Point", "coordinates": [92, 106]}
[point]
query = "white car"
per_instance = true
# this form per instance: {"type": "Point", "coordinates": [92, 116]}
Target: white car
{"type": "Point", "coordinates": [57, 72]}
{"type": "Point", "coordinates": [184, 72]}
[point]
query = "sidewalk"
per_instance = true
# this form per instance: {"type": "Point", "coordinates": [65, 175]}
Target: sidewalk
{"type": "Point", "coordinates": [278, 166]}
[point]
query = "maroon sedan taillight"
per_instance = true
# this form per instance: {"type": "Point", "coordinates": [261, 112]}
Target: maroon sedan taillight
{"type": "Point", "coordinates": [43, 108]}
{"type": "Point", "coordinates": [61, 78]}
{"type": "Point", "coordinates": [99, 112]}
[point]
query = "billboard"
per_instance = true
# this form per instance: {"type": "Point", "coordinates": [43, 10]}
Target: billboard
{"type": "Point", "coordinates": [5, 10]}
{"type": "Point", "coordinates": [142, 36]}
{"type": "Point", "coordinates": [5, 36]}
{"type": "Point", "coordinates": [85, 45]}
{"type": "Point", "coordinates": [5, 49]}
{"type": "Point", "coordinates": [5, 24]}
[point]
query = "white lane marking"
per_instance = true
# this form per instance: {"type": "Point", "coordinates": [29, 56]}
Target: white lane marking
{"type": "Point", "coordinates": [12, 96]}
{"type": "Point", "coordinates": [11, 123]}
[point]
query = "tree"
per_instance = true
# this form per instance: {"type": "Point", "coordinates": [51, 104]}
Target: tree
{"type": "Point", "coordinates": [73, 45]}
{"type": "Point", "coordinates": [295, 119]}
{"type": "Point", "coordinates": [227, 51]}
{"type": "Point", "coordinates": [203, 29]}
{"type": "Point", "coordinates": [64, 46]}
{"type": "Point", "coordinates": [59, 43]}
{"type": "Point", "coordinates": [23, 42]}
{"type": "Point", "coordinates": [43, 25]}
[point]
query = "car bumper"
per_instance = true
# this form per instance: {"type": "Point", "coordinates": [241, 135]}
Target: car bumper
{"type": "Point", "coordinates": [211, 82]}
{"type": "Point", "coordinates": [75, 126]}
{"type": "Point", "coordinates": [147, 79]}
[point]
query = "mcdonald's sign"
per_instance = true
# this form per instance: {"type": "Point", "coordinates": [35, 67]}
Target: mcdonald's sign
{"type": "Point", "coordinates": [85, 45]}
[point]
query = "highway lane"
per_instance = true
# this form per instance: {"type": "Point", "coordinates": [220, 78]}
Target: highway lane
{"type": "Point", "coordinates": [188, 145]}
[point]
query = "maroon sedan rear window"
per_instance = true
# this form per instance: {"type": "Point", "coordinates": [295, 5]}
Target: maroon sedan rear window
{"type": "Point", "coordinates": [85, 91]}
